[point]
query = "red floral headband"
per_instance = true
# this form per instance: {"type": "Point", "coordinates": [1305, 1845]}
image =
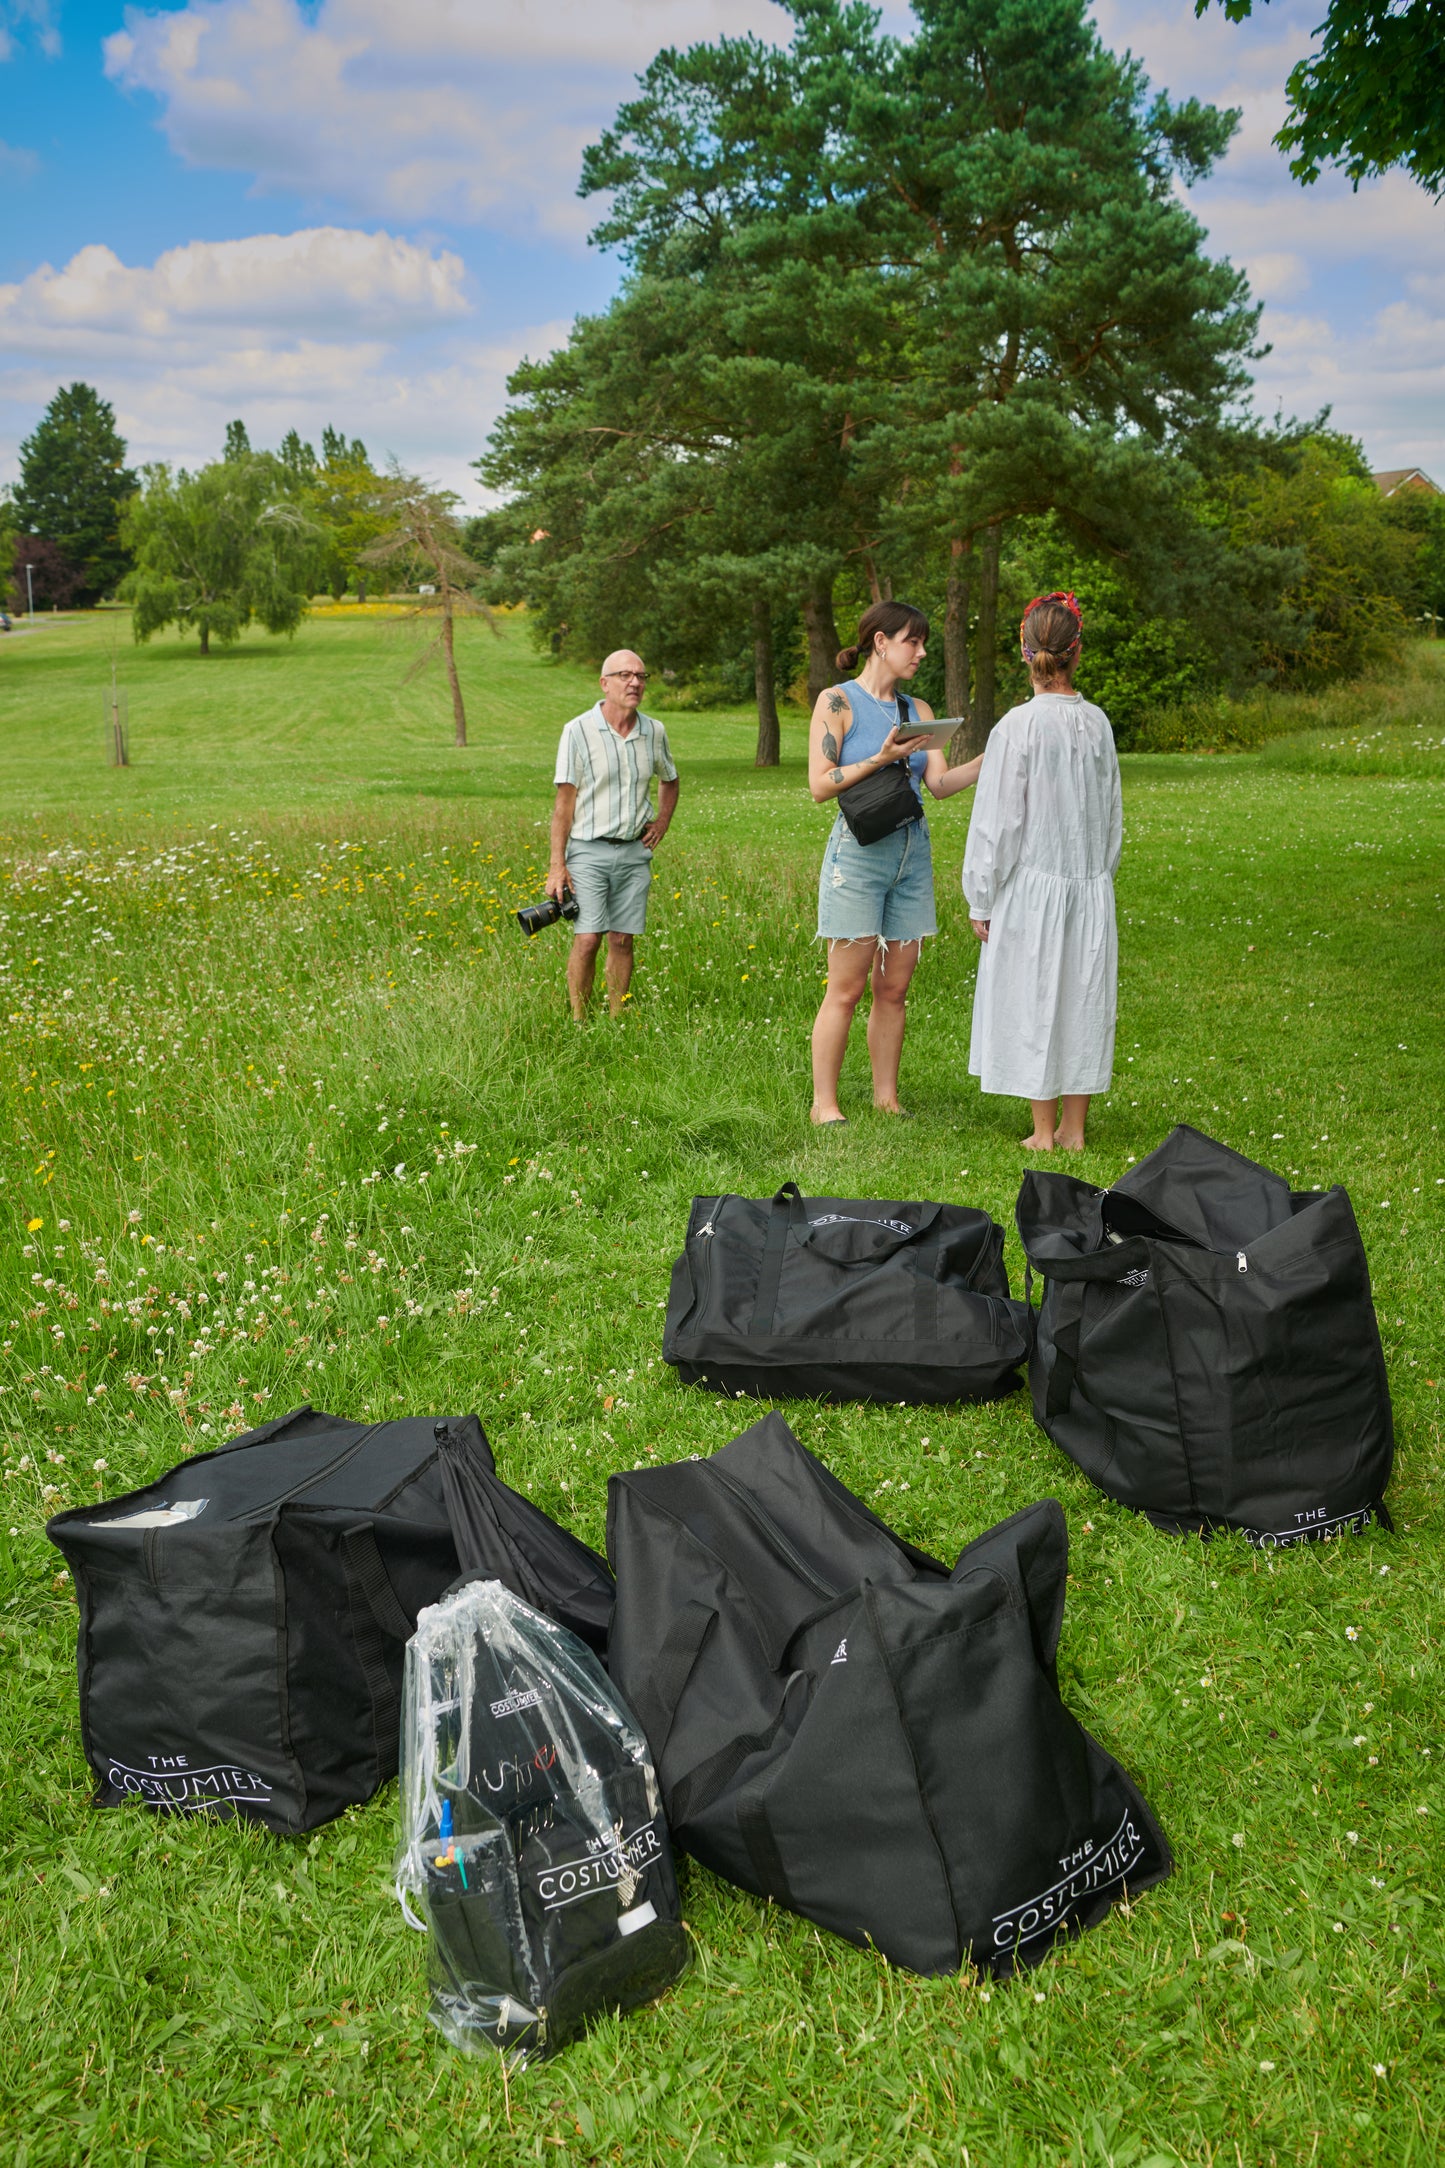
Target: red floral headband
{"type": "Point", "coordinates": [1069, 602]}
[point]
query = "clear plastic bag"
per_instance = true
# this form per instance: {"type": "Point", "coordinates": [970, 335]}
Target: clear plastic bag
{"type": "Point", "coordinates": [533, 1845]}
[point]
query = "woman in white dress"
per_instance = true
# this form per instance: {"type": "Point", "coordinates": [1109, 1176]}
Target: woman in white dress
{"type": "Point", "coordinates": [1038, 875]}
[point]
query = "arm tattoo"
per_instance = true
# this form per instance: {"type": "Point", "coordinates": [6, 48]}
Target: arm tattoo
{"type": "Point", "coordinates": [836, 703]}
{"type": "Point", "coordinates": [830, 746]}
{"type": "Point", "coordinates": [835, 775]}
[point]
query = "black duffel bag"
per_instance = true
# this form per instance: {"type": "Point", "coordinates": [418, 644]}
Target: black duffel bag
{"type": "Point", "coordinates": [841, 1724]}
{"type": "Point", "coordinates": [831, 1298]}
{"type": "Point", "coordinates": [243, 1619]}
{"type": "Point", "coordinates": [1207, 1349]}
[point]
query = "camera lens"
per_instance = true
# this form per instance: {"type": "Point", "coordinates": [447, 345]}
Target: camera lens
{"type": "Point", "coordinates": [534, 916]}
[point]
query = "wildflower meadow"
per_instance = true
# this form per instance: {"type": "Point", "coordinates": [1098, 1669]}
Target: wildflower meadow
{"type": "Point", "coordinates": [293, 1112]}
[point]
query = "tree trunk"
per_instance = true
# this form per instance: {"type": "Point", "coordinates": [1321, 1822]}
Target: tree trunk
{"type": "Point", "coordinates": [955, 649]}
{"type": "Point", "coordinates": [769, 747]}
{"type": "Point", "coordinates": [205, 637]}
{"type": "Point", "coordinates": [458, 711]}
{"type": "Point", "coordinates": [823, 642]}
{"type": "Point", "coordinates": [984, 715]}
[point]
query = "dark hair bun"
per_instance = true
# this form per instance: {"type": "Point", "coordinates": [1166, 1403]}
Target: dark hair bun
{"type": "Point", "coordinates": [889, 618]}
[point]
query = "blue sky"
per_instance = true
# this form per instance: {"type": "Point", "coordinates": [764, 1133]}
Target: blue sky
{"type": "Point", "coordinates": [354, 212]}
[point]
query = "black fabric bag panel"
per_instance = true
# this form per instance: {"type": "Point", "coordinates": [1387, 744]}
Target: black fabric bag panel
{"type": "Point", "coordinates": [249, 1661]}
{"type": "Point", "coordinates": [1211, 1359]}
{"type": "Point", "coordinates": [840, 1724]}
{"type": "Point", "coordinates": [843, 1299]}
{"type": "Point", "coordinates": [155, 1625]}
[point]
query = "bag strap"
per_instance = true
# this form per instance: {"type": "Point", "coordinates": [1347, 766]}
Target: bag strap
{"type": "Point", "coordinates": [711, 1776]}
{"type": "Point", "coordinates": [656, 1703]}
{"type": "Point", "coordinates": [1067, 1322]}
{"type": "Point", "coordinates": [756, 1830]}
{"type": "Point", "coordinates": [925, 1804]}
{"type": "Point", "coordinates": [372, 1578]}
{"type": "Point", "coordinates": [925, 1283]}
{"type": "Point", "coordinates": [787, 1211]}
{"type": "Point", "coordinates": [380, 1618]}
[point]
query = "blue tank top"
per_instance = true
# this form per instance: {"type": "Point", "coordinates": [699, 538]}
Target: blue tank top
{"type": "Point", "coordinates": [872, 720]}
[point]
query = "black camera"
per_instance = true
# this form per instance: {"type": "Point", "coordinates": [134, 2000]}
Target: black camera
{"type": "Point", "coordinates": [534, 916]}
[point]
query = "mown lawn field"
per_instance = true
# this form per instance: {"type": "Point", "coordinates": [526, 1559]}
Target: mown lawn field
{"type": "Point", "coordinates": [302, 1117]}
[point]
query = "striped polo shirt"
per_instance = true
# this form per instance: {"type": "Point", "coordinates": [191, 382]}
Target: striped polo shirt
{"type": "Point", "coordinates": [613, 775]}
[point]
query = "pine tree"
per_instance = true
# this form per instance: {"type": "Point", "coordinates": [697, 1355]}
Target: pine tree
{"type": "Point", "coordinates": [1009, 192]}
{"type": "Point", "coordinates": [73, 485]}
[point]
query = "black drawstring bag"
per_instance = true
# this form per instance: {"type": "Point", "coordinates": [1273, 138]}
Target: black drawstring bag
{"type": "Point", "coordinates": [841, 1724]}
{"type": "Point", "coordinates": [879, 804]}
{"type": "Point", "coordinates": [1207, 1349]}
{"type": "Point", "coordinates": [840, 1299]}
{"type": "Point", "coordinates": [242, 1620]}
{"type": "Point", "coordinates": [532, 1838]}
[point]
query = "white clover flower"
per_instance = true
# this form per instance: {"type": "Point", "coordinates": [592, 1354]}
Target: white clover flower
{"type": "Point", "coordinates": [1237, 1840]}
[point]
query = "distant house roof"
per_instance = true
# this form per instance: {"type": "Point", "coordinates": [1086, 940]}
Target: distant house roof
{"type": "Point", "coordinates": [1395, 479]}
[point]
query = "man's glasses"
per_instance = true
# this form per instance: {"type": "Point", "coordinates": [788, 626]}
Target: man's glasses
{"type": "Point", "coordinates": [638, 677]}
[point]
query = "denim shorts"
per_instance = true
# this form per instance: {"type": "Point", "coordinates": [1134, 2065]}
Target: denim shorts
{"type": "Point", "coordinates": [610, 882]}
{"type": "Point", "coordinates": [880, 891]}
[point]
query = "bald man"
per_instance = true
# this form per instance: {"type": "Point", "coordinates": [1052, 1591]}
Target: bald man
{"type": "Point", "coordinates": [604, 831]}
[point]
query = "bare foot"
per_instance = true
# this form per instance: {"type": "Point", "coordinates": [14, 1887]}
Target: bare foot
{"type": "Point", "coordinates": [1036, 1144]}
{"type": "Point", "coordinates": [826, 1117]}
{"type": "Point", "coordinates": [1069, 1144]}
{"type": "Point", "coordinates": [891, 1106]}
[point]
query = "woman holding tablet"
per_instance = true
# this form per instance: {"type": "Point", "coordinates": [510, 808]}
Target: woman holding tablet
{"type": "Point", "coordinates": [875, 899]}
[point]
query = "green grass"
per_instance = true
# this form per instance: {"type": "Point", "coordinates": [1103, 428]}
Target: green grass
{"type": "Point", "coordinates": [252, 976]}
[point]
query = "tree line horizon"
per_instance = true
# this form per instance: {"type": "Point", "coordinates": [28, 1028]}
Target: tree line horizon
{"type": "Point", "coordinates": [923, 318]}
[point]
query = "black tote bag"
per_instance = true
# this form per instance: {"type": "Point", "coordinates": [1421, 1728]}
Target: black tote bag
{"type": "Point", "coordinates": [843, 1299]}
{"type": "Point", "coordinates": [1207, 1349]}
{"type": "Point", "coordinates": [843, 1725]}
{"type": "Point", "coordinates": [243, 1619]}
{"type": "Point", "coordinates": [879, 804]}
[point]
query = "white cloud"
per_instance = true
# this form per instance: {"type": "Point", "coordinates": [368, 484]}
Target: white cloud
{"type": "Point", "coordinates": [1382, 380]}
{"type": "Point", "coordinates": [455, 109]}
{"type": "Point", "coordinates": [368, 332]}
{"type": "Point", "coordinates": [325, 280]}
{"type": "Point", "coordinates": [34, 17]}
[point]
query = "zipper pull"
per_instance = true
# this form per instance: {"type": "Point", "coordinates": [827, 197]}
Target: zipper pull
{"type": "Point", "coordinates": [706, 1229]}
{"type": "Point", "coordinates": [1243, 1261]}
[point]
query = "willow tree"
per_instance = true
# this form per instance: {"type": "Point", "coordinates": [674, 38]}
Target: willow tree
{"type": "Point", "coordinates": [217, 548]}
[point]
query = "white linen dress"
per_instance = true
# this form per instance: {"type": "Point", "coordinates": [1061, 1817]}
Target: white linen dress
{"type": "Point", "coordinates": [1043, 846]}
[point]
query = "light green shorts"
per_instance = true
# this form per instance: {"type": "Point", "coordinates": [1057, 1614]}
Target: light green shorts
{"type": "Point", "coordinates": [610, 882]}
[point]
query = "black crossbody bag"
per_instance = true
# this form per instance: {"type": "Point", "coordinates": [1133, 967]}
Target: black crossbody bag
{"type": "Point", "coordinates": [878, 804]}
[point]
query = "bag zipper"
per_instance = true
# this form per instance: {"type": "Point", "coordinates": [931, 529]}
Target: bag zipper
{"type": "Point", "coordinates": [702, 1285]}
{"type": "Point", "coordinates": [284, 1497]}
{"type": "Point", "coordinates": [762, 1519]}
{"type": "Point", "coordinates": [1243, 1261]}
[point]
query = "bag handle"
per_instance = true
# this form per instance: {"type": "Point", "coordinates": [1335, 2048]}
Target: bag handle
{"type": "Point", "coordinates": [789, 1212]}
